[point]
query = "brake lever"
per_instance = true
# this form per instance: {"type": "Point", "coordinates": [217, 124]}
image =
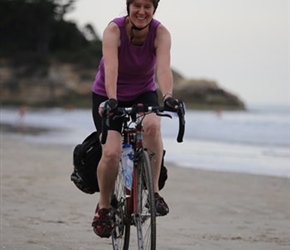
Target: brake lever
{"type": "Point", "coordinates": [105, 124]}
{"type": "Point", "coordinates": [181, 114]}
{"type": "Point", "coordinates": [107, 117]}
{"type": "Point", "coordinates": [116, 117]}
{"type": "Point", "coordinates": [163, 114]}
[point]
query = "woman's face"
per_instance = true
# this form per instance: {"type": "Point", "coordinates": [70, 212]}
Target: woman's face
{"type": "Point", "coordinates": [141, 12]}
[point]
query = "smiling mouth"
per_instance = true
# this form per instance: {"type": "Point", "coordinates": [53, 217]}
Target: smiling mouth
{"type": "Point", "coordinates": [139, 22]}
{"type": "Point", "coordinates": [141, 18]}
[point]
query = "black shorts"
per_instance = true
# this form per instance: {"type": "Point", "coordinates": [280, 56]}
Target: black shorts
{"type": "Point", "coordinates": [148, 98]}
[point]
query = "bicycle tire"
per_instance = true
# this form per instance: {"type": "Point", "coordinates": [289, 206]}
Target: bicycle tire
{"type": "Point", "coordinates": [121, 231]}
{"type": "Point", "coordinates": [145, 219]}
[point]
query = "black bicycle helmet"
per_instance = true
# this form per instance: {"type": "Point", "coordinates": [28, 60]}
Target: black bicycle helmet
{"type": "Point", "coordinates": [155, 3]}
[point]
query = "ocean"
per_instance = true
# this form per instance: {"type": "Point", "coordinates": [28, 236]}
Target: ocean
{"type": "Point", "coordinates": [255, 141]}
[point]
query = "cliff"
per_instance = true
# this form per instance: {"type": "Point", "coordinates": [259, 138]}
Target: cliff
{"type": "Point", "coordinates": [67, 84]}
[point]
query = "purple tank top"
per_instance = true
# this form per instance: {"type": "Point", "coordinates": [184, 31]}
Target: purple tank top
{"type": "Point", "coordinates": [136, 73]}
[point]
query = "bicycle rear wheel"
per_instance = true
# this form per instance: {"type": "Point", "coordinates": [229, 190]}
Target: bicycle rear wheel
{"type": "Point", "coordinates": [145, 219]}
{"type": "Point", "coordinates": [121, 232]}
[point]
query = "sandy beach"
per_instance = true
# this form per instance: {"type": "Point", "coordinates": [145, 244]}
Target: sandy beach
{"type": "Point", "coordinates": [41, 209]}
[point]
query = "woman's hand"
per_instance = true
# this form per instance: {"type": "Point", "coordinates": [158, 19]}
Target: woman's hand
{"type": "Point", "coordinates": [111, 104]}
{"type": "Point", "coordinates": [171, 103]}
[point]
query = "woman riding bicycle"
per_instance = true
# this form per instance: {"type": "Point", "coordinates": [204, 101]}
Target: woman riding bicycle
{"type": "Point", "coordinates": [134, 47]}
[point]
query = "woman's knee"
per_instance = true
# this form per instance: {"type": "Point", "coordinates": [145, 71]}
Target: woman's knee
{"type": "Point", "coordinates": [152, 128]}
{"type": "Point", "coordinates": [111, 155]}
{"type": "Point", "coordinates": [111, 151]}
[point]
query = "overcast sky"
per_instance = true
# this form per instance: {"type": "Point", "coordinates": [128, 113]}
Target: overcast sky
{"type": "Point", "coordinates": [241, 44]}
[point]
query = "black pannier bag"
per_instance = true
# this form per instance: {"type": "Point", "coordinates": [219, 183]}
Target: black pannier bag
{"type": "Point", "coordinates": [86, 157]}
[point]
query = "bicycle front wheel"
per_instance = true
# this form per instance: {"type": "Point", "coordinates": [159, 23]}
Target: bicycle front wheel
{"type": "Point", "coordinates": [121, 232]}
{"type": "Point", "coordinates": [145, 219]}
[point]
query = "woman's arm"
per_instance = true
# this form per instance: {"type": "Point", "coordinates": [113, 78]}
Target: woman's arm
{"type": "Point", "coordinates": [163, 66]}
{"type": "Point", "coordinates": [111, 42]}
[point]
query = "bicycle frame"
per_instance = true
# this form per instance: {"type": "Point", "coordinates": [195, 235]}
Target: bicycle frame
{"type": "Point", "coordinates": [138, 208]}
{"type": "Point", "coordinates": [135, 137]}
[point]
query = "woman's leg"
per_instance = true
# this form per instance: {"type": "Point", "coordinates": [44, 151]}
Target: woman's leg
{"type": "Point", "coordinates": [153, 142]}
{"type": "Point", "coordinates": [107, 170]}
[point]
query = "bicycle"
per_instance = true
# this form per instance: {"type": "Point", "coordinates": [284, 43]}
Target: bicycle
{"type": "Point", "coordinates": [136, 207]}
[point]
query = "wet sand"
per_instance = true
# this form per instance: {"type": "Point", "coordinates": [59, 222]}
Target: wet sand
{"type": "Point", "coordinates": [41, 209]}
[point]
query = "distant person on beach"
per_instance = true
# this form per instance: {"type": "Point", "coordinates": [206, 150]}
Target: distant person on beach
{"type": "Point", "coordinates": [21, 117]}
{"type": "Point", "coordinates": [134, 47]}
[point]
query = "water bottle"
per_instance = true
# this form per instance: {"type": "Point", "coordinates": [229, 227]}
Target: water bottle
{"type": "Point", "coordinates": [127, 165]}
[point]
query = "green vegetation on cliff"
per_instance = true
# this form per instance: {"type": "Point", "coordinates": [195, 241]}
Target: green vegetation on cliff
{"type": "Point", "coordinates": [34, 31]}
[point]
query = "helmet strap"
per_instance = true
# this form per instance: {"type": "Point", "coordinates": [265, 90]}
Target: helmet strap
{"type": "Point", "coordinates": [134, 27]}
